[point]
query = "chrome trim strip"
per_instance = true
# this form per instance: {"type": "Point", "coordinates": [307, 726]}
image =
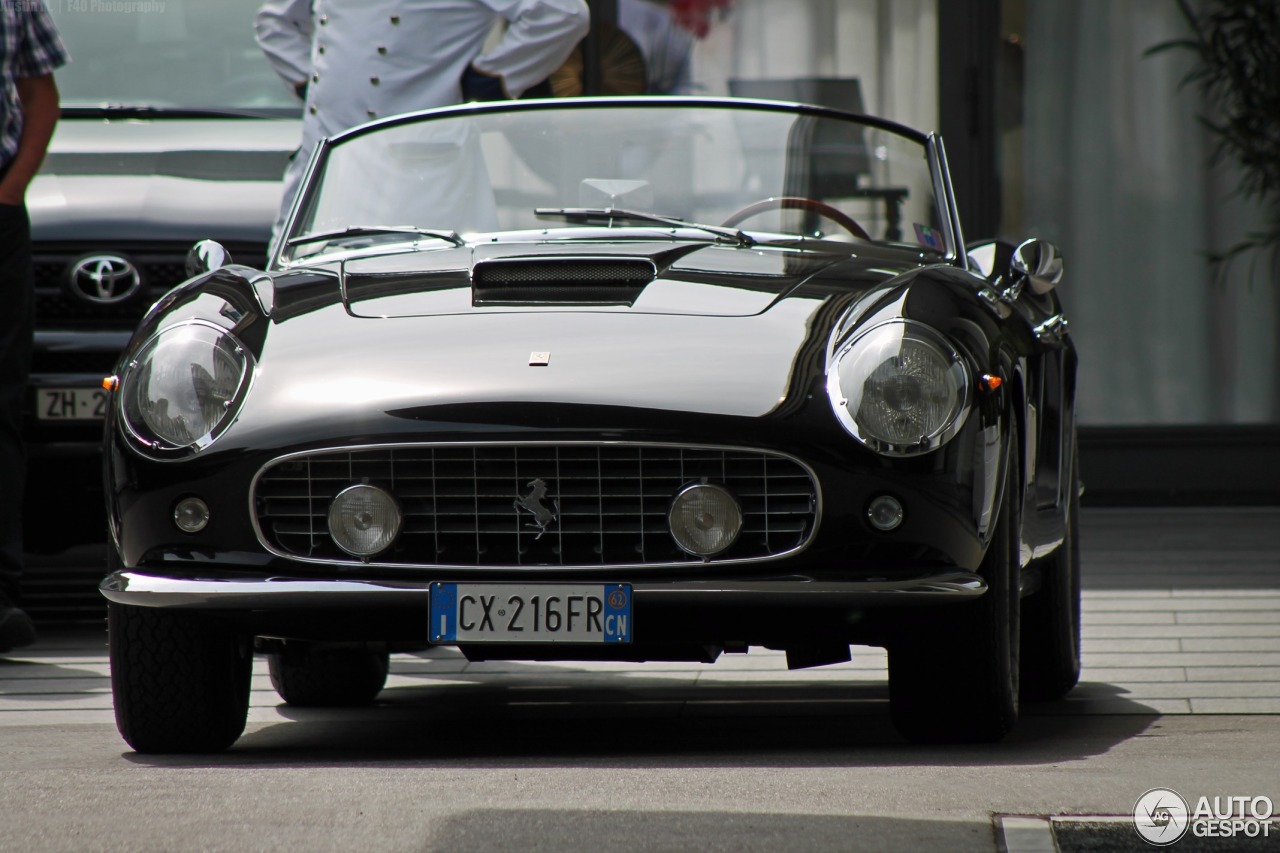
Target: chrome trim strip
{"type": "Point", "coordinates": [145, 590]}
{"type": "Point", "coordinates": [619, 101]}
{"type": "Point", "coordinates": [551, 259]}
{"type": "Point", "coordinates": [947, 199]}
{"type": "Point", "coordinates": [276, 259]}
{"type": "Point", "coordinates": [595, 567]}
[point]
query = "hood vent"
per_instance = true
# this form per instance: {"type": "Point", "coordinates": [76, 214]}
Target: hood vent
{"type": "Point", "coordinates": [560, 281]}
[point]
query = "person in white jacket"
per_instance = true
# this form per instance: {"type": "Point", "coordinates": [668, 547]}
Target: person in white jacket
{"type": "Point", "coordinates": [352, 61]}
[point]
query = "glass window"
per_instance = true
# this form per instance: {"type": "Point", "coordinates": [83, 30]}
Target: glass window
{"type": "Point", "coordinates": [875, 56]}
{"type": "Point", "coordinates": [775, 173]}
{"type": "Point", "coordinates": [194, 54]}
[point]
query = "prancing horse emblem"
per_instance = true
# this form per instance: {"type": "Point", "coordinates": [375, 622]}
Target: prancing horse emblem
{"type": "Point", "coordinates": [533, 504]}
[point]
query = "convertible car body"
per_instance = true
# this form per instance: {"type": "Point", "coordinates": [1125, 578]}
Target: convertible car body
{"type": "Point", "coordinates": [624, 379]}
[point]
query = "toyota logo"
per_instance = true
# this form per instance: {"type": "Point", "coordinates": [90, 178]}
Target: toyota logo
{"type": "Point", "coordinates": [104, 279]}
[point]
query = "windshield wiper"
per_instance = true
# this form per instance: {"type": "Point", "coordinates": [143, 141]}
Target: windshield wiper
{"type": "Point", "coordinates": [374, 230]}
{"type": "Point", "coordinates": [588, 214]}
{"type": "Point", "coordinates": [147, 111]}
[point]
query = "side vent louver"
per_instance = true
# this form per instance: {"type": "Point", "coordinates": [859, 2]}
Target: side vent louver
{"type": "Point", "coordinates": [560, 281]}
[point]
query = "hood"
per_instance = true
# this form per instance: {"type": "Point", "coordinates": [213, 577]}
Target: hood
{"type": "Point", "coordinates": [702, 279]}
{"type": "Point", "coordinates": [750, 344]}
{"type": "Point", "coordinates": [343, 369]}
{"type": "Point", "coordinates": [162, 180]}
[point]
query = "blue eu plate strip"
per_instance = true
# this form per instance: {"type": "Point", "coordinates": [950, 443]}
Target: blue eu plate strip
{"type": "Point", "coordinates": [617, 613]}
{"type": "Point", "coordinates": [444, 610]}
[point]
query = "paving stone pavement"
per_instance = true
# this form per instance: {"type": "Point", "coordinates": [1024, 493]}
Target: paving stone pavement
{"type": "Point", "coordinates": [1181, 616]}
{"type": "Point", "coordinates": [1181, 612]}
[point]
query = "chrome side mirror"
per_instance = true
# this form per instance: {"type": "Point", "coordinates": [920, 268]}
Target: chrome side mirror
{"type": "Point", "coordinates": [1038, 264]}
{"type": "Point", "coordinates": [206, 256]}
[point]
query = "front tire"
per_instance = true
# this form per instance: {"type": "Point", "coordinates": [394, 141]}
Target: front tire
{"type": "Point", "coordinates": [179, 680]}
{"type": "Point", "coordinates": [1051, 618]}
{"type": "Point", "coordinates": [314, 675]}
{"type": "Point", "coordinates": [953, 675]}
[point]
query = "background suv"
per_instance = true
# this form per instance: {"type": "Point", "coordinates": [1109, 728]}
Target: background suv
{"type": "Point", "coordinates": [174, 129]}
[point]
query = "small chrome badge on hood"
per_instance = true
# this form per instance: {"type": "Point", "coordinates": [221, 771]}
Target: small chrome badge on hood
{"type": "Point", "coordinates": [539, 359]}
{"type": "Point", "coordinates": [532, 503]}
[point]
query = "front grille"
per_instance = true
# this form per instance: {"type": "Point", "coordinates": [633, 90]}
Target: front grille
{"type": "Point", "coordinates": [460, 502]}
{"type": "Point", "coordinates": [73, 361]}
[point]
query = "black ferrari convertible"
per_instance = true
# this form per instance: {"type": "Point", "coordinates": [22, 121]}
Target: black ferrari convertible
{"type": "Point", "coordinates": [603, 379]}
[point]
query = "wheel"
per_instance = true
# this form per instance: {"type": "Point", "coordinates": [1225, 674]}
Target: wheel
{"type": "Point", "coordinates": [316, 675]}
{"type": "Point", "coordinates": [1051, 617]}
{"type": "Point", "coordinates": [953, 675]}
{"type": "Point", "coordinates": [179, 680]}
{"type": "Point", "coordinates": [791, 202]}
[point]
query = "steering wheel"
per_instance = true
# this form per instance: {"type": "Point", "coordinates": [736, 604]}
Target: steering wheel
{"type": "Point", "coordinates": [795, 202]}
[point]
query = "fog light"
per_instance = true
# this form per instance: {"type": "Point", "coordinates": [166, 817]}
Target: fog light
{"type": "Point", "coordinates": [705, 520]}
{"type": "Point", "coordinates": [191, 515]}
{"type": "Point", "coordinates": [364, 520]}
{"type": "Point", "coordinates": [885, 513]}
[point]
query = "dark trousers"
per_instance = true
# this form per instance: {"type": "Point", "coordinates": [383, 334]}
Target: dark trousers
{"type": "Point", "coordinates": [17, 324]}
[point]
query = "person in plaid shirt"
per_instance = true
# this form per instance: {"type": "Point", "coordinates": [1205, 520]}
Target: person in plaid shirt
{"type": "Point", "coordinates": [30, 50]}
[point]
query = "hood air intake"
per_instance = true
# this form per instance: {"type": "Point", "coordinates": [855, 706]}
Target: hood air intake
{"type": "Point", "coordinates": [560, 281]}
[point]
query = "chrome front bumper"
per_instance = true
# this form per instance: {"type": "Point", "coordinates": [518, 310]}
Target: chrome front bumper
{"type": "Point", "coordinates": [143, 590]}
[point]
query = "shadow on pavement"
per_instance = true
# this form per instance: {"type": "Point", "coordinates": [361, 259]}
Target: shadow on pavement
{"type": "Point", "coordinates": [546, 716]}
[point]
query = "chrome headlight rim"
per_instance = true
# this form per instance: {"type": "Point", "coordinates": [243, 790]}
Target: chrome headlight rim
{"type": "Point", "coordinates": [156, 446]}
{"type": "Point", "coordinates": [957, 369]}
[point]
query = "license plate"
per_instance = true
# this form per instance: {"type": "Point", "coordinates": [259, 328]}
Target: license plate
{"type": "Point", "coordinates": [71, 404]}
{"type": "Point", "coordinates": [530, 613]}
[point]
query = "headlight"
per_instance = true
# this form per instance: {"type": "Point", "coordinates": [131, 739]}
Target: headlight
{"type": "Point", "coordinates": [182, 385]}
{"type": "Point", "coordinates": [899, 388]}
{"type": "Point", "coordinates": [364, 520]}
{"type": "Point", "coordinates": [704, 519]}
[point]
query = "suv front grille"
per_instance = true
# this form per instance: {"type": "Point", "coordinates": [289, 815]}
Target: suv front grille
{"type": "Point", "coordinates": [55, 305]}
{"type": "Point", "coordinates": [460, 502]}
{"type": "Point", "coordinates": [160, 267]}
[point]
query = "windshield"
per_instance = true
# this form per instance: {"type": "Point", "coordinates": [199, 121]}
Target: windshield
{"type": "Point", "coordinates": [765, 172]}
{"type": "Point", "coordinates": [167, 54]}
